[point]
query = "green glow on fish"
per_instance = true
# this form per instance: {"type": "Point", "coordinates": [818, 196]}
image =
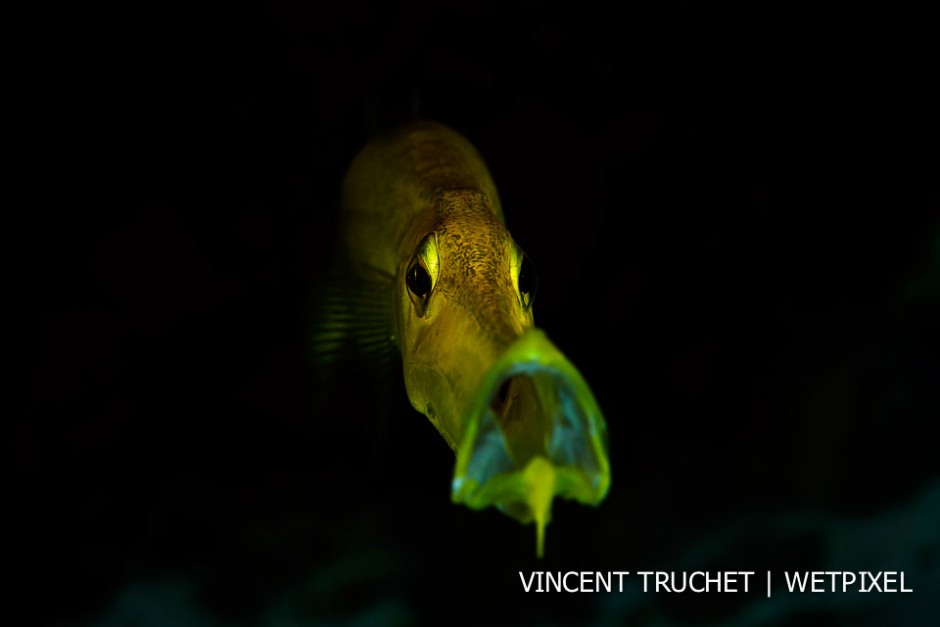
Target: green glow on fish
{"type": "Point", "coordinates": [517, 473]}
{"type": "Point", "coordinates": [540, 479]}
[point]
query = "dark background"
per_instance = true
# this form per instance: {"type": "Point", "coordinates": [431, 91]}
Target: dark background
{"type": "Point", "coordinates": [750, 285]}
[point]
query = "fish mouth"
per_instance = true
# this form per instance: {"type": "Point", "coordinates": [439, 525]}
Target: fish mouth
{"type": "Point", "coordinates": [534, 432]}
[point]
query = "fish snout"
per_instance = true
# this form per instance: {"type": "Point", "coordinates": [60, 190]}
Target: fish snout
{"type": "Point", "coordinates": [533, 432]}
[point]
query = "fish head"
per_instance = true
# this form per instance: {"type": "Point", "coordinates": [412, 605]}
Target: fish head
{"type": "Point", "coordinates": [466, 295]}
{"type": "Point", "coordinates": [522, 420]}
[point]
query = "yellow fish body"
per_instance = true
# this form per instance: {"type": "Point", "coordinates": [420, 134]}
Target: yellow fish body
{"type": "Point", "coordinates": [423, 227]}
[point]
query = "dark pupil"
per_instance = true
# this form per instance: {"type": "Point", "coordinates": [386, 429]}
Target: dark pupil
{"type": "Point", "coordinates": [527, 281]}
{"type": "Point", "coordinates": [419, 281]}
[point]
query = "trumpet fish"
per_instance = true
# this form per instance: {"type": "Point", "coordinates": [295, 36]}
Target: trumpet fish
{"type": "Point", "coordinates": [440, 280]}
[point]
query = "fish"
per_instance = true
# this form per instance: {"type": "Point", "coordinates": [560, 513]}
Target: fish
{"type": "Point", "coordinates": [433, 276]}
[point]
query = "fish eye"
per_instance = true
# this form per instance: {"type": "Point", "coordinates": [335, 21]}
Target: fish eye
{"type": "Point", "coordinates": [422, 273]}
{"type": "Point", "coordinates": [418, 280]}
{"type": "Point", "coordinates": [524, 277]}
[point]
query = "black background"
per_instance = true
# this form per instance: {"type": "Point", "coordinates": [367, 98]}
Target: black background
{"type": "Point", "coordinates": [748, 283]}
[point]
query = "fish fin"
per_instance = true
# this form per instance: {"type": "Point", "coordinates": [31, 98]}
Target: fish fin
{"type": "Point", "coordinates": [353, 350]}
{"type": "Point", "coordinates": [353, 321]}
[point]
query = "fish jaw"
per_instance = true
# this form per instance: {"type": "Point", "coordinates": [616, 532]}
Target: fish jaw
{"type": "Point", "coordinates": [552, 444]}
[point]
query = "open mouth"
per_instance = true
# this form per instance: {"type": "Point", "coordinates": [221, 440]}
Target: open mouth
{"type": "Point", "coordinates": [534, 432]}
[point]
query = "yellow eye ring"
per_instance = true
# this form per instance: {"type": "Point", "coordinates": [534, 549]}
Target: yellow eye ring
{"type": "Point", "coordinates": [524, 278]}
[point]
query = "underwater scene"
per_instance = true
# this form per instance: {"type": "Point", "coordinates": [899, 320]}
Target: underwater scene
{"type": "Point", "coordinates": [538, 359]}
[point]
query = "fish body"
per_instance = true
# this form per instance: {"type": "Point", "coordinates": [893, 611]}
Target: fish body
{"type": "Point", "coordinates": [423, 227]}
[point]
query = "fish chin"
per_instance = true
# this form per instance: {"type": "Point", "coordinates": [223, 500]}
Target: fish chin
{"type": "Point", "coordinates": [534, 432]}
